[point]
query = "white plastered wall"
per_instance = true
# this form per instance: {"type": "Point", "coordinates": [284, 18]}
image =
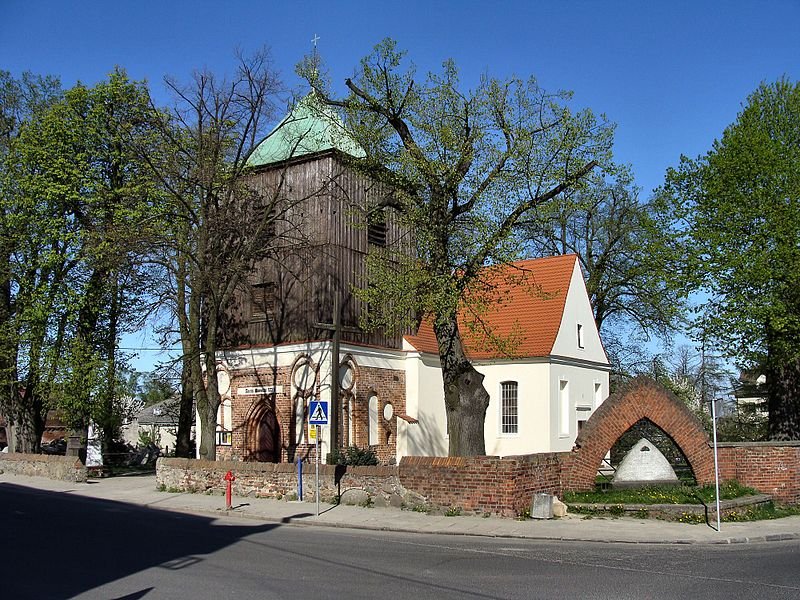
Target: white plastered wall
{"type": "Point", "coordinates": [537, 406]}
{"type": "Point", "coordinates": [582, 368]}
{"type": "Point", "coordinates": [581, 382]}
{"type": "Point", "coordinates": [532, 408]}
{"type": "Point", "coordinates": [578, 310]}
{"type": "Point", "coordinates": [425, 403]}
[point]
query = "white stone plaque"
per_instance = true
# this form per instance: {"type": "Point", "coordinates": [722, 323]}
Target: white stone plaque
{"type": "Point", "coordinates": [542, 506]}
{"type": "Point", "coordinates": [258, 390]}
{"type": "Point", "coordinates": [644, 463]}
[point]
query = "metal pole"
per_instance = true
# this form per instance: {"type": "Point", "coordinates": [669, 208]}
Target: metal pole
{"type": "Point", "coordinates": [300, 479]}
{"type": "Point", "coordinates": [716, 462]}
{"type": "Point", "coordinates": [337, 338]}
{"type": "Point", "coordinates": [317, 453]}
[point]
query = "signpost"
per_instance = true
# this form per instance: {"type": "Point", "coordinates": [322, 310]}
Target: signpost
{"type": "Point", "coordinates": [716, 463]}
{"type": "Point", "coordinates": [317, 416]}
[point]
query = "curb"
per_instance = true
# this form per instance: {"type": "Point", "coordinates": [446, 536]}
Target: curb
{"type": "Point", "coordinates": [310, 522]}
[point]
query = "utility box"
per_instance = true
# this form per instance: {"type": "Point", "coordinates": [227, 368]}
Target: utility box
{"type": "Point", "coordinates": [542, 506]}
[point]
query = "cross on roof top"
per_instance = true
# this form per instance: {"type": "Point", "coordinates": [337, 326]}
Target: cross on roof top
{"type": "Point", "coordinates": [314, 40]}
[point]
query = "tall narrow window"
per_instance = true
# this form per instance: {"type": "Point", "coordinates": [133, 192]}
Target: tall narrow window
{"type": "Point", "coordinates": [563, 401]}
{"type": "Point", "coordinates": [598, 393]}
{"type": "Point", "coordinates": [262, 297]}
{"type": "Point", "coordinates": [373, 420]}
{"type": "Point", "coordinates": [351, 438]}
{"type": "Point", "coordinates": [509, 418]}
{"type": "Point", "coordinates": [580, 335]}
{"type": "Point", "coordinates": [299, 419]}
{"type": "Point", "coordinates": [225, 423]}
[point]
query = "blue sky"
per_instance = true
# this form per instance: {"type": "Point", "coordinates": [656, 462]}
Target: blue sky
{"type": "Point", "coordinates": [672, 74]}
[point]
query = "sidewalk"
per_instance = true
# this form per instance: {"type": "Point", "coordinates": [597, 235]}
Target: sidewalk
{"type": "Point", "coordinates": [141, 491]}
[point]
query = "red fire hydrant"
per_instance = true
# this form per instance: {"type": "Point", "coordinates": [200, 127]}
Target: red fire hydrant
{"type": "Point", "coordinates": [229, 479]}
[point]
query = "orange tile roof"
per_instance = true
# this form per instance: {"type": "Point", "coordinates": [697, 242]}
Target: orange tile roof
{"type": "Point", "coordinates": [525, 311]}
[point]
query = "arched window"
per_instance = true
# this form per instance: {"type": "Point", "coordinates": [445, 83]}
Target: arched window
{"type": "Point", "coordinates": [373, 419]}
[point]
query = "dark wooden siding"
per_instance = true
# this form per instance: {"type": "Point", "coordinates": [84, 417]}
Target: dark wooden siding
{"type": "Point", "coordinates": [323, 215]}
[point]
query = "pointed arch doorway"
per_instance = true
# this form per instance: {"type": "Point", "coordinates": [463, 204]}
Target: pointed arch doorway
{"type": "Point", "coordinates": [263, 433]}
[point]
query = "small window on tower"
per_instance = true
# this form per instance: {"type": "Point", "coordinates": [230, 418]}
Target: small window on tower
{"type": "Point", "coordinates": [376, 230]}
{"type": "Point", "coordinates": [262, 301]}
{"type": "Point", "coordinates": [580, 335]}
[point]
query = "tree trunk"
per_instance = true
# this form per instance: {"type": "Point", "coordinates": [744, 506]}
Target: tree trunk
{"type": "Point", "coordinates": [28, 424]}
{"type": "Point", "coordinates": [208, 431]}
{"type": "Point", "coordinates": [108, 397]}
{"type": "Point", "coordinates": [186, 412]}
{"type": "Point", "coordinates": [205, 384]}
{"type": "Point", "coordinates": [783, 401]}
{"type": "Point", "coordinates": [183, 439]}
{"type": "Point", "coordinates": [465, 398]}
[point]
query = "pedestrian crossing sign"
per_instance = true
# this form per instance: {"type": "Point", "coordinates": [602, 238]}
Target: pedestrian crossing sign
{"type": "Point", "coordinates": [318, 412]}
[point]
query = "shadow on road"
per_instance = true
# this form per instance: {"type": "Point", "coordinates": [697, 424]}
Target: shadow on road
{"type": "Point", "coordinates": [58, 545]}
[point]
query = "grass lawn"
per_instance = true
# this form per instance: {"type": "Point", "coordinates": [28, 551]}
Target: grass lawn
{"type": "Point", "coordinates": [664, 494]}
{"type": "Point", "coordinates": [679, 494]}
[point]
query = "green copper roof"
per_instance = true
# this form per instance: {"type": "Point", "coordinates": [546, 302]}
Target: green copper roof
{"type": "Point", "coordinates": [309, 128]}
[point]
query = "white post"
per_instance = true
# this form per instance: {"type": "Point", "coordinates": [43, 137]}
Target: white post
{"type": "Point", "coordinates": [716, 462]}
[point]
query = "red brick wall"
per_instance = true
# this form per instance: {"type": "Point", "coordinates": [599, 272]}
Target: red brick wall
{"type": "Point", "coordinates": [475, 485]}
{"type": "Point", "coordinates": [482, 484]}
{"type": "Point", "coordinates": [770, 467]}
{"type": "Point", "coordinates": [642, 398]}
{"type": "Point", "coordinates": [245, 408]}
{"type": "Point", "coordinates": [389, 385]}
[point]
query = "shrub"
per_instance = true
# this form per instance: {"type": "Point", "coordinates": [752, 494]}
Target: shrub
{"type": "Point", "coordinates": [354, 456]}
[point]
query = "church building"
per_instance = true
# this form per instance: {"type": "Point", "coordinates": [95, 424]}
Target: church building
{"type": "Point", "coordinates": [294, 337]}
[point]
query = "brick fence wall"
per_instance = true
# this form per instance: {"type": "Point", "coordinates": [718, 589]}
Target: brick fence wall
{"type": "Point", "coordinates": [482, 484]}
{"type": "Point", "coordinates": [475, 485]}
{"type": "Point", "coordinates": [65, 468]}
{"type": "Point", "coordinates": [770, 467]}
{"type": "Point", "coordinates": [381, 485]}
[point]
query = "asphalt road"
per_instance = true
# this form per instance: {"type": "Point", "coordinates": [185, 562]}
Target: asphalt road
{"type": "Point", "coordinates": [57, 546]}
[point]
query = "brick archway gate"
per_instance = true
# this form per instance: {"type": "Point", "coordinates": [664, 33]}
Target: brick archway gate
{"type": "Point", "coordinates": [642, 398]}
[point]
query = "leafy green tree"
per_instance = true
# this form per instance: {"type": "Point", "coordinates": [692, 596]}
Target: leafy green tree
{"type": "Point", "coordinates": [76, 201]}
{"type": "Point", "coordinates": [20, 101]}
{"type": "Point", "coordinates": [464, 167]}
{"type": "Point", "coordinates": [119, 215]}
{"type": "Point", "coordinates": [42, 253]}
{"type": "Point", "coordinates": [737, 210]}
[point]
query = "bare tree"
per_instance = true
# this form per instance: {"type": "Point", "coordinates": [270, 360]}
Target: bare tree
{"type": "Point", "coordinates": [218, 226]}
